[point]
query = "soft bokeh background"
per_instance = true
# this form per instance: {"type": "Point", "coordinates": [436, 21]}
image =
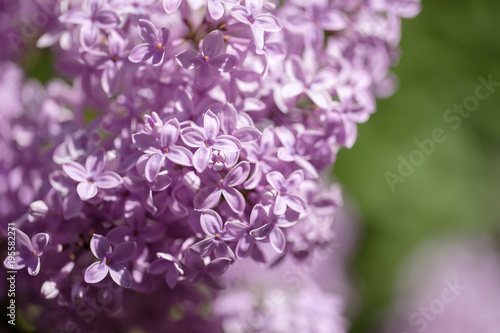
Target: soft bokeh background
{"type": "Point", "coordinates": [455, 191]}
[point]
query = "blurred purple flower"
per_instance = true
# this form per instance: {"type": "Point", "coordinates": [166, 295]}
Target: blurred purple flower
{"type": "Point", "coordinates": [28, 252]}
{"type": "Point", "coordinates": [155, 46]}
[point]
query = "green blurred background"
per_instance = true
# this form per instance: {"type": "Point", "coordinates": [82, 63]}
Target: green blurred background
{"type": "Point", "coordinates": [454, 191]}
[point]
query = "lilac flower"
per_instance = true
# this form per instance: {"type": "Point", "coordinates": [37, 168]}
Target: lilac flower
{"type": "Point", "coordinates": [297, 148]}
{"type": "Point", "coordinates": [146, 189]}
{"type": "Point", "coordinates": [209, 62]}
{"type": "Point", "coordinates": [216, 237]}
{"type": "Point", "coordinates": [110, 261]}
{"type": "Point", "coordinates": [207, 140]}
{"type": "Point", "coordinates": [243, 233]}
{"type": "Point", "coordinates": [136, 229]}
{"type": "Point", "coordinates": [157, 150]}
{"type": "Point", "coordinates": [315, 21]}
{"type": "Point", "coordinates": [28, 252]}
{"type": "Point", "coordinates": [168, 265]}
{"type": "Point", "coordinates": [271, 226]}
{"type": "Point", "coordinates": [259, 23]}
{"type": "Point", "coordinates": [155, 46]}
{"type": "Point", "coordinates": [315, 87]}
{"type": "Point", "coordinates": [209, 196]}
{"type": "Point", "coordinates": [110, 78]}
{"type": "Point", "coordinates": [282, 189]}
{"type": "Point", "coordinates": [199, 269]}
{"type": "Point", "coordinates": [92, 177]}
{"type": "Point", "coordinates": [91, 17]}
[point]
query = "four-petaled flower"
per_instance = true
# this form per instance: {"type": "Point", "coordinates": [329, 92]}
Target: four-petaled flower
{"type": "Point", "coordinates": [271, 226]}
{"type": "Point", "coordinates": [209, 197]}
{"type": "Point", "coordinates": [209, 62]}
{"type": "Point", "coordinates": [202, 269]}
{"type": "Point", "coordinates": [157, 150]}
{"type": "Point", "coordinates": [216, 237]}
{"type": "Point", "coordinates": [110, 261]}
{"type": "Point", "coordinates": [91, 18]}
{"type": "Point", "coordinates": [259, 23]}
{"type": "Point", "coordinates": [92, 177]}
{"type": "Point", "coordinates": [315, 87]}
{"type": "Point", "coordinates": [168, 265]}
{"type": "Point", "coordinates": [208, 139]}
{"type": "Point", "coordinates": [155, 46]}
{"type": "Point", "coordinates": [282, 192]}
{"type": "Point", "coordinates": [28, 252]}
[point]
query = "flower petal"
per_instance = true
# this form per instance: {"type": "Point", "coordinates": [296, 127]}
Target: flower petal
{"type": "Point", "coordinates": [180, 155]}
{"type": "Point", "coordinates": [211, 125]}
{"type": "Point", "coordinates": [100, 247]}
{"type": "Point", "coordinates": [124, 252]}
{"type": "Point", "coordinates": [210, 222]}
{"type": "Point", "coordinates": [189, 59]}
{"type": "Point", "coordinates": [279, 205]}
{"type": "Point", "coordinates": [106, 19]}
{"type": "Point", "coordinates": [39, 242]}
{"type": "Point", "coordinates": [294, 180]}
{"type": "Point", "coordinates": [86, 190]}
{"type": "Point", "coordinates": [207, 198]}
{"type": "Point", "coordinates": [169, 133]}
{"type": "Point", "coordinates": [240, 13]}
{"type": "Point", "coordinates": [215, 9]}
{"type": "Point", "coordinates": [33, 266]}
{"type": "Point", "coordinates": [268, 22]}
{"type": "Point", "coordinates": [218, 266]}
{"type": "Point", "coordinates": [320, 97]}
{"type": "Point", "coordinates": [147, 31]}
{"type": "Point", "coordinates": [237, 175]}
{"type": "Point", "coordinates": [213, 44]}
{"type": "Point", "coordinates": [227, 143]}
{"type": "Point", "coordinates": [96, 272]}
{"type": "Point", "coordinates": [234, 199]}
{"type": "Point", "coordinates": [201, 158]}
{"type": "Point", "coordinates": [140, 53]}
{"type": "Point", "coordinates": [276, 180]}
{"type": "Point", "coordinates": [193, 137]}
{"type": "Point", "coordinates": [254, 6]}
{"type": "Point", "coordinates": [247, 134]}
{"type": "Point", "coordinates": [332, 20]}
{"type": "Point", "coordinates": [296, 203]}
{"type": "Point", "coordinates": [153, 166]}
{"type": "Point", "coordinates": [171, 5]}
{"type": "Point", "coordinates": [224, 62]}
{"type": "Point", "coordinates": [75, 171]}
{"type": "Point", "coordinates": [119, 234]}
{"type": "Point", "coordinates": [244, 247]}
{"type": "Point", "coordinates": [88, 34]}
{"type": "Point", "coordinates": [277, 239]}
{"type": "Point", "coordinates": [108, 179]}
{"type": "Point", "coordinates": [120, 275]}
{"type": "Point", "coordinates": [95, 163]}
{"type": "Point", "coordinates": [146, 143]}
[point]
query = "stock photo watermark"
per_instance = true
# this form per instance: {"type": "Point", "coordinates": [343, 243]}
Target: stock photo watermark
{"type": "Point", "coordinates": [452, 117]}
{"type": "Point", "coordinates": [428, 314]}
{"type": "Point", "coordinates": [11, 274]}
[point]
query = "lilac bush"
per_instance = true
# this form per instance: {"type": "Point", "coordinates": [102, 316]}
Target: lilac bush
{"type": "Point", "coordinates": [175, 139]}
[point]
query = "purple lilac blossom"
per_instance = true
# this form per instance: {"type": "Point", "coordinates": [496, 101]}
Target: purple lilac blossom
{"type": "Point", "coordinates": [198, 130]}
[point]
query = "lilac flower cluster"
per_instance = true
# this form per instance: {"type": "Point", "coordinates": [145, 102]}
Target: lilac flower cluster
{"type": "Point", "coordinates": [186, 136]}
